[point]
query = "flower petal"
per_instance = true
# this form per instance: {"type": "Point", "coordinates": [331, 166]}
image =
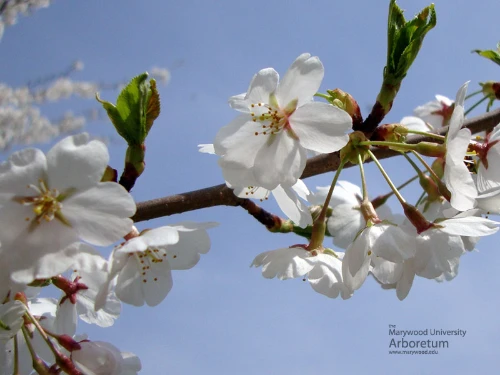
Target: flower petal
{"type": "Point", "coordinates": [386, 272]}
{"type": "Point", "coordinates": [293, 207]}
{"type": "Point", "coordinates": [321, 127]}
{"type": "Point", "coordinates": [100, 214]}
{"type": "Point", "coordinates": [286, 263]}
{"type": "Point", "coordinates": [326, 277]}
{"type": "Point", "coordinates": [239, 133]}
{"type": "Point", "coordinates": [469, 226]}
{"type": "Point", "coordinates": [280, 161]}
{"type": "Point", "coordinates": [301, 81]}
{"type": "Point", "coordinates": [263, 84]}
{"type": "Point", "coordinates": [23, 168]}
{"type": "Point", "coordinates": [415, 123]}
{"type": "Point", "coordinates": [134, 289]}
{"type": "Point", "coordinates": [344, 224]}
{"type": "Point", "coordinates": [193, 241]}
{"type": "Point", "coordinates": [456, 175]}
{"type": "Point", "coordinates": [74, 162]}
{"type": "Point", "coordinates": [406, 281]}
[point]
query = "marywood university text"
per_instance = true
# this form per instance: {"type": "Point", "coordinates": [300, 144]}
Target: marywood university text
{"type": "Point", "coordinates": [402, 343]}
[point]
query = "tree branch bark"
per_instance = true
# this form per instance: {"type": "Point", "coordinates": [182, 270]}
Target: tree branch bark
{"type": "Point", "coordinates": [221, 195]}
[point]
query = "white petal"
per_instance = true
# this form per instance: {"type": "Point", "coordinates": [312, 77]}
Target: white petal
{"type": "Point", "coordinates": [301, 81]}
{"type": "Point", "coordinates": [406, 281]}
{"type": "Point", "coordinates": [193, 241]}
{"type": "Point", "coordinates": [105, 317]}
{"type": "Point", "coordinates": [239, 140]}
{"type": "Point", "coordinates": [237, 175]}
{"type": "Point", "coordinates": [489, 201]}
{"type": "Point", "coordinates": [415, 123]}
{"type": "Point", "coordinates": [457, 118]}
{"type": "Point", "coordinates": [301, 189]}
{"type": "Point", "coordinates": [469, 226]}
{"type": "Point", "coordinates": [284, 263]}
{"type": "Point", "coordinates": [11, 316]}
{"type": "Point", "coordinates": [132, 289]}
{"type": "Point", "coordinates": [23, 168]}
{"type": "Point", "coordinates": [489, 178]}
{"type": "Point", "coordinates": [461, 94]}
{"type": "Point", "coordinates": [292, 206]}
{"type": "Point", "coordinates": [101, 214]}
{"type": "Point", "coordinates": [445, 100]}
{"type": "Point", "coordinates": [206, 148]}
{"type": "Point", "coordinates": [345, 192]}
{"type": "Point", "coordinates": [326, 277]}
{"type": "Point", "coordinates": [354, 281]}
{"type": "Point", "coordinates": [52, 264]}
{"type": "Point", "coordinates": [386, 272]}
{"type": "Point", "coordinates": [264, 83]}
{"type": "Point", "coordinates": [97, 358]}
{"type": "Point", "coordinates": [280, 161]}
{"type": "Point", "coordinates": [391, 243]}
{"type": "Point", "coordinates": [357, 253]}
{"type": "Point", "coordinates": [456, 175]}
{"type": "Point", "coordinates": [74, 162]}
{"type": "Point", "coordinates": [19, 238]}
{"type": "Point", "coordinates": [156, 238]}
{"type": "Point", "coordinates": [321, 127]}
{"type": "Point", "coordinates": [239, 103]}
{"type": "Point", "coordinates": [344, 224]}
{"type": "Point", "coordinates": [66, 318]}
{"type": "Point", "coordinates": [437, 252]}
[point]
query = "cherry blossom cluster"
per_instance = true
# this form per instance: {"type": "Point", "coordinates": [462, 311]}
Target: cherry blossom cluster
{"type": "Point", "coordinates": [55, 210]}
{"type": "Point", "coordinates": [264, 150]}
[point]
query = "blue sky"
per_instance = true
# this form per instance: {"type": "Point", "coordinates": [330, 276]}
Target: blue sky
{"type": "Point", "coordinates": [223, 317]}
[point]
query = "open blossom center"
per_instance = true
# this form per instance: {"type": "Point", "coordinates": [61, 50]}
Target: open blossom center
{"type": "Point", "coordinates": [272, 119]}
{"type": "Point", "coordinates": [46, 205]}
{"type": "Point", "coordinates": [147, 258]}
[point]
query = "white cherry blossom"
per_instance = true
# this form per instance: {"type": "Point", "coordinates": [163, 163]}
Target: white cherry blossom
{"type": "Point", "coordinates": [103, 358]}
{"type": "Point", "coordinates": [322, 269]}
{"type": "Point", "coordinates": [287, 198]}
{"type": "Point", "coordinates": [50, 201]}
{"type": "Point", "coordinates": [279, 122]}
{"type": "Point", "coordinates": [346, 220]}
{"type": "Point", "coordinates": [78, 300]}
{"type": "Point", "coordinates": [436, 113]}
{"type": "Point", "coordinates": [142, 266]}
{"type": "Point", "coordinates": [387, 241]}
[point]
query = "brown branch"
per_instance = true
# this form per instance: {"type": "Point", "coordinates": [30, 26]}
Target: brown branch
{"type": "Point", "coordinates": [221, 195]}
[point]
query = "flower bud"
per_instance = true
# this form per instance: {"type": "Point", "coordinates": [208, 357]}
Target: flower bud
{"type": "Point", "coordinates": [416, 218]}
{"type": "Point", "coordinates": [353, 148]}
{"type": "Point", "coordinates": [390, 133]}
{"type": "Point", "coordinates": [430, 187]}
{"type": "Point", "coordinates": [431, 149]}
{"type": "Point", "coordinates": [491, 88]}
{"type": "Point", "coordinates": [346, 102]}
{"type": "Point", "coordinates": [438, 167]}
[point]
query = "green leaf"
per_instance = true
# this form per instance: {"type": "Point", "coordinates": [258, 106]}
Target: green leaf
{"type": "Point", "coordinates": [136, 108]}
{"type": "Point", "coordinates": [153, 105]}
{"type": "Point", "coordinates": [490, 54]}
{"type": "Point", "coordinates": [405, 40]}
